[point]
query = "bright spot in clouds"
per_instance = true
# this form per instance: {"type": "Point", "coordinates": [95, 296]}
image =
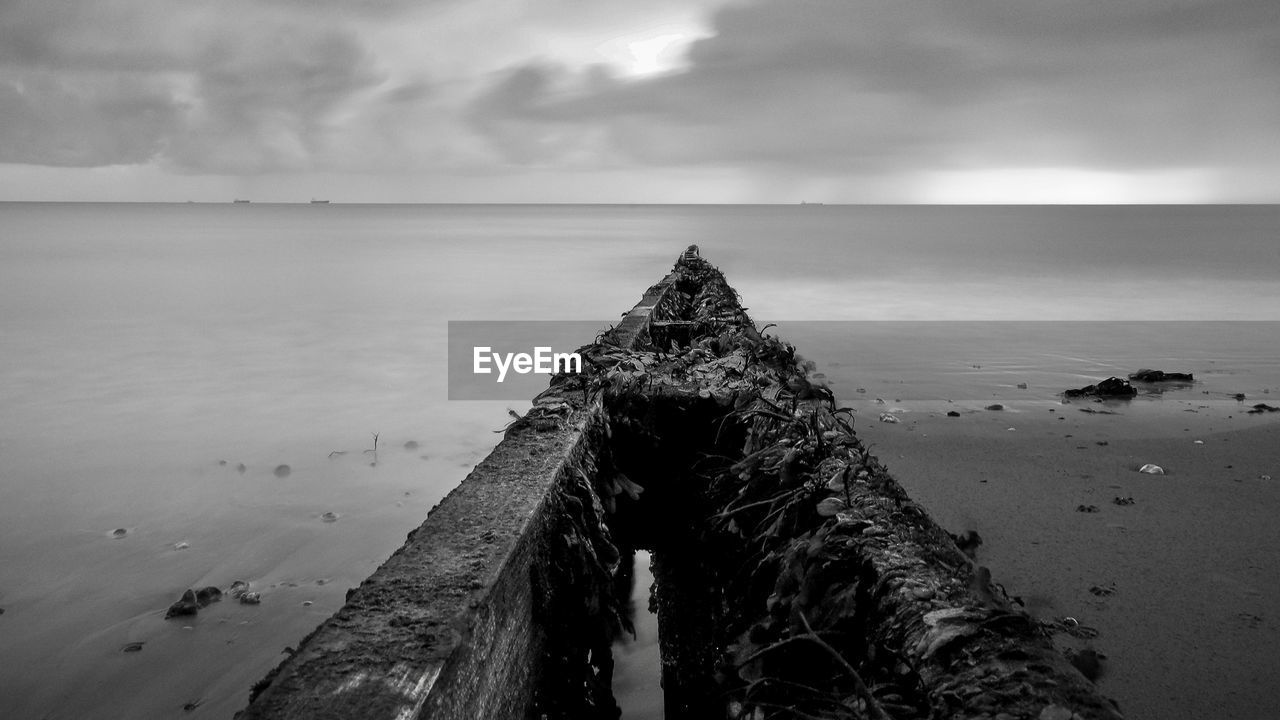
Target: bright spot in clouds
{"type": "Point", "coordinates": [1058, 185]}
{"type": "Point", "coordinates": [651, 52]}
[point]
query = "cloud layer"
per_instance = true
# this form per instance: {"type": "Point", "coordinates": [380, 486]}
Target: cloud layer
{"type": "Point", "coordinates": [841, 93]}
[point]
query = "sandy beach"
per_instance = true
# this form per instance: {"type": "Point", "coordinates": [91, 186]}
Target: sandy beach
{"type": "Point", "coordinates": [1180, 584]}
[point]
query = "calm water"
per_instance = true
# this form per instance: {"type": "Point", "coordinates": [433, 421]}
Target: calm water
{"type": "Point", "coordinates": [144, 346]}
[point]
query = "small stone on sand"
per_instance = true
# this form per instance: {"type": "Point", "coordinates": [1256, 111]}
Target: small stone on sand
{"type": "Point", "coordinates": [282, 471]}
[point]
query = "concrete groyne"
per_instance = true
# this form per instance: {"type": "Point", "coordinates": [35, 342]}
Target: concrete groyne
{"type": "Point", "coordinates": [794, 576]}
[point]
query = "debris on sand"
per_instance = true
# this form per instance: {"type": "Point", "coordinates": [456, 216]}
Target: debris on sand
{"type": "Point", "coordinates": [1123, 500]}
{"type": "Point", "coordinates": [953, 413]}
{"type": "Point", "coordinates": [1151, 469]}
{"type": "Point", "coordinates": [1263, 407]}
{"type": "Point", "coordinates": [888, 418]}
{"type": "Point", "coordinates": [192, 600]}
{"type": "Point", "coordinates": [186, 605]}
{"type": "Point", "coordinates": [1087, 508]}
{"type": "Point", "coordinates": [1089, 662]}
{"type": "Point", "coordinates": [968, 542]}
{"type": "Point", "coordinates": [1112, 387]}
{"type": "Point", "coordinates": [995, 406]}
{"type": "Point", "coordinates": [1154, 376]}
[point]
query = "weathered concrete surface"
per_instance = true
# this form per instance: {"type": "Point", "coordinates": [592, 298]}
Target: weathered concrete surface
{"type": "Point", "coordinates": [456, 623]}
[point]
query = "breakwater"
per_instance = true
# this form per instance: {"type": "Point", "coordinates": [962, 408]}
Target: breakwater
{"type": "Point", "coordinates": [794, 576]}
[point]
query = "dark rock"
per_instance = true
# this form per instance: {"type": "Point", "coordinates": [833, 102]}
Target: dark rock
{"type": "Point", "coordinates": [968, 542]}
{"type": "Point", "coordinates": [953, 413]}
{"type": "Point", "coordinates": [1263, 407]}
{"type": "Point", "coordinates": [186, 605]}
{"type": "Point", "coordinates": [132, 647]}
{"type": "Point", "coordinates": [282, 471]}
{"type": "Point", "coordinates": [119, 533]}
{"type": "Point", "coordinates": [208, 595]}
{"type": "Point", "coordinates": [1088, 662]}
{"type": "Point", "coordinates": [1087, 508]}
{"type": "Point", "coordinates": [1123, 500]}
{"type": "Point", "coordinates": [1153, 376]}
{"type": "Point", "coordinates": [1112, 387]}
{"type": "Point", "coordinates": [995, 406]}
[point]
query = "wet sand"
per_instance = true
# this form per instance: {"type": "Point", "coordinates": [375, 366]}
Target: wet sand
{"type": "Point", "coordinates": [1181, 585]}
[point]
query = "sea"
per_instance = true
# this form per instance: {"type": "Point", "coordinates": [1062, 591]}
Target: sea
{"type": "Point", "coordinates": [193, 394]}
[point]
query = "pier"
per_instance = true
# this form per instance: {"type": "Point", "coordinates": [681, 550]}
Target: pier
{"type": "Point", "coordinates": [795, 577]}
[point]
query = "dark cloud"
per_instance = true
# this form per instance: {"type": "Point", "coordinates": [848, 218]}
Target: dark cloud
{"type": "Point", "coordinates": [267, 100]}
{"type": "Point", "coordinates": [241, 91]}
{"type": "Point", "coordinates": [49, 120]}
{"type": "Point", "coordinates": [874, 86]}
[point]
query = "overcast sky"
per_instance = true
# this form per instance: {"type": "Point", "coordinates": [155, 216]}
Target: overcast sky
{"type": "Point", "coordinates": [641, 101]}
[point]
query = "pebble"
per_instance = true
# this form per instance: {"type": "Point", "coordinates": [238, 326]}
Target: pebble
{"type": "Point", "coordinates": [887, 418]}
{"type": "Point", "coordinates": [995, 406]}
{"type": "Point", "coordinates": [251, 598]}
{"type": "Point", "coordinates": [411, 445]}
{"type": "Point", "coordinates": [282, 471]}
{"type": "Point", "coordinates": [953, 413]}
{"type": "Point", "coordinates": [119, 533]}
{"type": "Point", "coordinates": [132, 647]}
{"type": "Point", "coordinates": [181, 545]}
{"type": "Point", "coordinates": [306, 603]}
{"type": "Point", "coordinates": [329, 517]}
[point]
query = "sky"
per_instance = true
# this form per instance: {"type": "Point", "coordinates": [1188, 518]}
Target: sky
{"type": "Point", "coordinates": [683, 101]}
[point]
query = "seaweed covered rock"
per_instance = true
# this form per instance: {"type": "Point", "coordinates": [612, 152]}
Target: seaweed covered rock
{"type": "Point", "coordinates": [837, 595]}
{"type": "Point", "coordinates": [1112, 387]}
{"type": "Point", "coordinates": [1155, 376]}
